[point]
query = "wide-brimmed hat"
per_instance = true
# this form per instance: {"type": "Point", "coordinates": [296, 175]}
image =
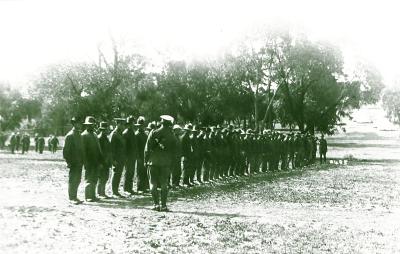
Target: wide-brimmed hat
{"type": "Point", "coordinates": [130, 120]}
{"type": "Point", "coordinates": [119, 120]}
{"type": "Point", "coordinates": [176, 127]}
{"type": "Point", "coordinates": [140, 121]}
{"type": "Point", "coordinates": [89, 120]}
{"type": "Point", "coordinates": [103, 126]}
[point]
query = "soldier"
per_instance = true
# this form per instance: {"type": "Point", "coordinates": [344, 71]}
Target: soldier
{"type": "Point", "coordinates": [13, 142]}
{"type": "Point", "coordinates": [323, 149]}
{"type": "Point", "coordinates": [291, 150]}
{"type": "Point", "coordinates": [160, 150]}
{"type": "Point", "coordinates": [104, 170]}
{"type": "Point", "coordinates": [187, 154]}
{"type": "Point", "coordinates": [92, 158]}
{"type": "Point", "coordinates": [36, 142]}
{"type": "Point", "coordinates": [314, 148]}
{"type": "Point", "coordinates": [17, 141]}
{"type": "Point", "coordinates": [25, 143]}
{"type": "Point", "coordinates": [54, 144]}
{"type": "Point", "coordinates": [41, 143]}
{"type": "Point", "coordinates": [197, 161]}
{"type": "Point", "coordinates": [207, 163]}
{"type": "Point", "coordinates": [73, 155]}
{"type": "Point", "coordinates": [131, 154]}
{"type": "Point", "coordinates": [118, 153]}
{"type": "Point", "coordinates": [141, 138]}
{"type": "Point", "coordinates": [49, 143]}
{"type": "Point", "coordinates": [176, 165]}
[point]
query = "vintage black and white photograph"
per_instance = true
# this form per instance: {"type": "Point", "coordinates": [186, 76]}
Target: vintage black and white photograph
{"type": "Point", "coordinates": [188, 126]}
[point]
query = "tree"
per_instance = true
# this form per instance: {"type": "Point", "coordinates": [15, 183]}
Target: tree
{"type": "Point", "coordinates": [391, 104]}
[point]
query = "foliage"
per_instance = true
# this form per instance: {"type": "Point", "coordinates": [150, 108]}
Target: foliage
{"type": "Point", "coordinates": [391, 103]}
{"type": "Point", "coordinates": [276, 78]}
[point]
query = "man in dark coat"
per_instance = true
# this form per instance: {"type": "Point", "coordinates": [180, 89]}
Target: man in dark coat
{"type": "Point", "coordinates": [54, 144]}
{"type": "Point", "coordinates": [104, 170]}
{"type": "Point", "coordinates": [323, 149]}
{"type": "Point", "coordinates": [40, 144]}
{"type": "Point", "coordinates": [131, 155]}
{"type": "Point", "coordinates": [26, 141]}
{"type": "Point", "coordinates": [92, 158]}
{"type": "Point", "coordinates": [187, 155]}
{"type": "Point", "coordinates": [176, 164]}
{"type": "Point", "coordinates": [159, 153]}
{"type": "Point", "coordinates": [17, 141]}
{"type": "Point", "coordinates": [13, 142]}
{"type": "Point", "coordinates": [118, 154]}
{"type": "Point", "coordinates": [141, 171]}
{"type": "Point", "coordinates": [73, 155]}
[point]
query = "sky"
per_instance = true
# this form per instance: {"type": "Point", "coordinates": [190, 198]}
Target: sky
{"type": "Point", "coordinates": [35, 34]}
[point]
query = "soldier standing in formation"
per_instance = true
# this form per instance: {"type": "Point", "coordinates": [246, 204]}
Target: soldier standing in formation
{"type": "Point", "coordinates": [40, 143]}
{"type": "Point", "coordinates": [26, 141]}
{"type": "Point", "coordinates": [73, 155]}
{"type": "Point", "coordinates": [118, 155]}
{"type": "Point", "coordinates": [323, 149]}
{"type": "Point", "coordinates": [13, 142]}
{"type": "Point", "coordinates": [162, 154]}
{"type": "Point", "coordinates": [141, 171]}
{"type": "Point", "coordinates": [92, 158]}
{"type": "Point", "coordinates": [54, 144]}
{"type": "Point", "coordinates": [105, 165]}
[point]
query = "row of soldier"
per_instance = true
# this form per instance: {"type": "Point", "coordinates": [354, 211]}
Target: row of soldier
{"type": "Point", "coordinates": [187, 156]}
{"type": "Point", "coordinates": [17, 141]}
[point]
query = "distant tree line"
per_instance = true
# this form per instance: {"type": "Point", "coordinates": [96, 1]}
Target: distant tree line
{"type": "Point", "coordinates": [275, 78]}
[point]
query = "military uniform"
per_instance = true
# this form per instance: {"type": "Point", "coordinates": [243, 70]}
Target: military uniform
{"type": "Point", "coordinates": [25, 143]}
{"type": "Point", "coordinates": [131, 155]}
{"type": "Point", "coordinates": [187, 156]}
{"type": "Point", "coordinates": [73, 155]}
{"type": "Point", "coordinates": [13, 142]}
{"type": "Point", "coordinates": [142, 177]}
{"type": "Point", "coordinates": [40, 144]}
{"type": "Point", "coordinates": [118, 153]}
{"type": "Point", "coordinates": [54, 144]}
{"type": "Point", "coordinates": [106, 162]}
{"type": "Point", "coordinates": [323, 149]}
{"type": "Point", "coordinates": [159, 153]}
{"type": "Point", "coordinates": [92, 159]}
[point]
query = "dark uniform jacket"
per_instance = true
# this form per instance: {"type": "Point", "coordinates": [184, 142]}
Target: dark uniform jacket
{"type": "Point", "coordinates": [323, 146]}
{"type": "Point", "coordinates": [73, 148]}
{"type": "Point", "coordinates": [130, 144]}
{"type": "Point", "coordinates": [118, 149]}
{"type": "Point", "coordinates": [105, 147]}
{"type": "Point", "coordinates": [91, 149]}
{"type": "Point", "coordinates": [161, 147]}
{"type": "Point", "coordinates": [141, 138]}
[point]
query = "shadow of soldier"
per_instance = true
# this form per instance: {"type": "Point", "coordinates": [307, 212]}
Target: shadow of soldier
{"type": "Point", "coordinates": [218, 188]}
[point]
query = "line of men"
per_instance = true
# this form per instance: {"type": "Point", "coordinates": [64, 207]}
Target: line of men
{"type": "Point", "coordinates": [165, 155]}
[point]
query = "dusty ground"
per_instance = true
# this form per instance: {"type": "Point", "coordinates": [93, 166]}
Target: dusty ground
{"type": "Point", "coordinates": [352, 208]}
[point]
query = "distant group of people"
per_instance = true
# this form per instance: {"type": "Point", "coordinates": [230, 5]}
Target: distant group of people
{"type": "Point", "coordinates": [164, 155]}
{"type": "Point", "coordinates": [18, 141]}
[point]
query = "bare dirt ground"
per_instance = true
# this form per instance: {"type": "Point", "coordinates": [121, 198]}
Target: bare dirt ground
{"type": "Point", "coordinates": [352, 208]}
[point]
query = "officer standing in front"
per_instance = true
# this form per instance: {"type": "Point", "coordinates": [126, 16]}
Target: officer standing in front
{"type": "Point", "coordinates": [159, 153]}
